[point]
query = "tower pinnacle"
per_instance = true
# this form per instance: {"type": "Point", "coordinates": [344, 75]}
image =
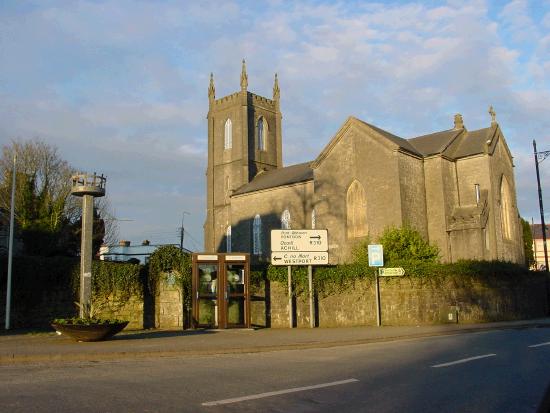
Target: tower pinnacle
{"type": "Point", "coordinates": [276, 90]}
{"type": "Point", "coordinates": [211, 88]}
{"type": "Point", "coordinates": [244, 77]}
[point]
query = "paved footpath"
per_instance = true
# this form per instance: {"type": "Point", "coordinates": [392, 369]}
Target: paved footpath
{"type": "Point", "coordinates": [24, 347]}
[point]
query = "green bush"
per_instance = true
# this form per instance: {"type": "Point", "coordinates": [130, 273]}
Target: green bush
{"type": "Point", "coordinates": [406, 243]}
{"type": "Point", "coordinates": [170, 258]}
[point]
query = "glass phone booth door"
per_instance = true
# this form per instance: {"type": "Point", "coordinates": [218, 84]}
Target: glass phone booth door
{"type": "Point", "coordinates": [221, 297]}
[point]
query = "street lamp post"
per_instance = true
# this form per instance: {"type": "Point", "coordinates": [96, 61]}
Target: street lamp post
{"type": "Point", "coordinates": [539, 157]}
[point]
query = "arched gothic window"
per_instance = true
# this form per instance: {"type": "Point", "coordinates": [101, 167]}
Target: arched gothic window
{"type": "Point", "coordinates": [356, 205]}
{"type": "Point", "coordinates": [285, 220]}
{"type": "Point", "coordinates": [261, 128]}
{"type": "Point", "coordinates": [257, 235]}
{"type": "Point", "coordinates": [228, 239]}
{"type": "Point", "coordinates": [313, 218]}
{"type": "Point", "coordinates": [228, 141]}
{"type": "Point", "coordinates": [506, 208]}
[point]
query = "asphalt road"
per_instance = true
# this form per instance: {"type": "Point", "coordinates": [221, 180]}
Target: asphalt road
{"type": "Point", "coordinates": [497, 371]}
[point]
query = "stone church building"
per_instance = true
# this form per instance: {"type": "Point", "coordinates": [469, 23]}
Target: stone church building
{"type": "Point", "coordinates": [456, 187]}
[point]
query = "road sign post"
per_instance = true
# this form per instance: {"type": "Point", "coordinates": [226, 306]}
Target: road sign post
{"type": "Point", "coordinates": [299, 247]}
{"type": "Point", "coordinates": [376, 259]}
{"type": "Point", "coordinates": [290, 312]}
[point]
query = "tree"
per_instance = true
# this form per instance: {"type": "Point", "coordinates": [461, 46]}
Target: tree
{"type": "Point", "coordinates": [406, 243]}
{"type": "Point", "coordinates": [527, 243]}
{"type": "Point", "coordinates": [46, 213]}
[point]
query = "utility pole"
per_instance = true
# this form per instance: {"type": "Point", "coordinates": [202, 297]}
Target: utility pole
{"type": "Point", "coordinates": [182, 230]}
{"type": "Point", "coordinates": [539, 158]}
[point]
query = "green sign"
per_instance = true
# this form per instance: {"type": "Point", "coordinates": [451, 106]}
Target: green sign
{"type": "Point", "coordinates": [391, 272]}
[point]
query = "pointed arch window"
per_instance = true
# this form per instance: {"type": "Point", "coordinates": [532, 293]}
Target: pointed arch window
{"type": "Point", "coordinates": [257, 235]}
{"type": "Point", "coordinates": [313, 219]}
{"type": "Point", "coordinates": [285, 220]}
{"type": "Point", "coordinates": [261, 132]}
{"type": "Point", "coordinates": [356, 206]}
{"type": "Point", "coordinates": [228, 134]}
{"type": "Point", "coordinates": [228, 239]}
{"type": "Point", "coordinates": [506, 208]}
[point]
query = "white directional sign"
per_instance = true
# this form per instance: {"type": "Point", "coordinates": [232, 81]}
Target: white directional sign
{"type": "Point", "coordinates": [391, 272]}
{"type": "Point", "coordinates": [299, 258]}
{"type": "Point", "coordinates": [299, 240]}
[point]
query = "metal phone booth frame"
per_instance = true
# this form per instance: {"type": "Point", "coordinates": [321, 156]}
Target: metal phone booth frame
{"type": "Point", "coordinates": [221, 290]}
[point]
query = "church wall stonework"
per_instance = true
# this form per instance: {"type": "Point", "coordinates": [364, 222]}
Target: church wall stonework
{"type": "Point", "coordinates": [357, 156]}
{"type": "Point", "coordinates": [501, 165]}
{"type": "Point", "coordinates": [435, 205]}
{"type": "Point", "coordinates": [413, 193]}
{"type": "Point", "coordinates": [269, 205]}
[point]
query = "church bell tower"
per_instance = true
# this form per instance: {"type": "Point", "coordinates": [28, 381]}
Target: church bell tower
{"type": "Point", "coordinates": [244, 139]}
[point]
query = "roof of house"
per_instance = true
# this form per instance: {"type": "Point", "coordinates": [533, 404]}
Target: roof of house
{"type": "Point", "coordinates": [537, 231]}
{"type": "Point", "coordinates": [278, 177]}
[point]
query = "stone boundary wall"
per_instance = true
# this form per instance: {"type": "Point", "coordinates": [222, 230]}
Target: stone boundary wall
{"type": "Point", "coordinates": [404, 301]}
{"type": "Point", "coordinates": [131, 310]}
{"type": "Point", "coordinates": [408, 301]}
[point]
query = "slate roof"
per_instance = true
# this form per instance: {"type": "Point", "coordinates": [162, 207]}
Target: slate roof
{"type": "Point", "coordinates": [537, 231]}
{"type": "Point", "coordinates": [278, 177]}
{"type": "Point", "coordinates": [402, 143]}
{"type": "Point", "coordinates": [434, 142]}
{"type": "Point", "coordinates": [453, 142]}
{"type": "Point", "coordinates": [472, 143]}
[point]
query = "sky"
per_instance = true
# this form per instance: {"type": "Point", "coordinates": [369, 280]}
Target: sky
{"type": "Point", "coordinates": [120, 87]}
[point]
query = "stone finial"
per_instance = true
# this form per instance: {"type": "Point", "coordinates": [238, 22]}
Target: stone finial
{"type": "Point", "coordinates": [493, 115]}
{"type": "Point", "coordinates": [211, 88]}
{"type": "Point", "coordinates": [244, 77]}
{"type": "Point", "coordinates": [276, 90]}
{"type": "Point", "coordinates": [459, 123]}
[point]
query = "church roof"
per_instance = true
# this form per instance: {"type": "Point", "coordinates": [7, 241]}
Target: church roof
{"type": "Point", "coordinates": [473, 143]}
{"type": "Point", "coordinates": [402, 143]}
{"type": "Point", "coordinates": [454, 143]}
{"type": "Point", "coordinates": [434, 142]}
{"type": "Point", "coordinates": [278, 177]}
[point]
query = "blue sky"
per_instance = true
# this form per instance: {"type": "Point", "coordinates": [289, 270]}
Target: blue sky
{"type": "Point", "coordinates": [121, 86]}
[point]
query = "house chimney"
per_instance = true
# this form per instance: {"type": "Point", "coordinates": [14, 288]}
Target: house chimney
{"type": "Point", "coordinates": [459, 123]}
{"type": "Point", "coordinates": [124, 243]}
{"type": "Point", "coordinates": [145, 242]}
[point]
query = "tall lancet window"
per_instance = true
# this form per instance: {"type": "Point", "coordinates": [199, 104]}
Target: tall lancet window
{"type": "Point", "coordinates": [261, 132]}
{"type": "Point", "coordinates": [228, 239]}
{"type": "Point", "coordinates": [506, 208]}
{"type": "Point", "coordinates": [285, 219]}
{"type": "Point", "coordinates": [228, 141]}
{"type": "Point", "coordinates": [257, 235]}
{"type": "Point", "coordinates": [356, 206]}
{"type": "Point", "coordinates": [313, 219]}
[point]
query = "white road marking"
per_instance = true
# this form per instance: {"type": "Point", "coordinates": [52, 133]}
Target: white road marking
{"type": "Point", "coordinates": [278, 392]}
{"type": "Point", "coordinates": [540, 344]}
{"type": "Point", "coordinates": [451, 363]}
